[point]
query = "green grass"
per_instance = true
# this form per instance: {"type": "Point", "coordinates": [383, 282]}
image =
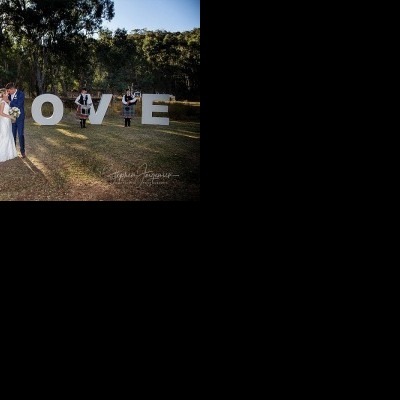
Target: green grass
{"type": "Point", "coordinates": [105, 162]}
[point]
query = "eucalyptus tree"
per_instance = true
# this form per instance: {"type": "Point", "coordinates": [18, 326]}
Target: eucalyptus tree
{"type": "Point", "coordinates": [55, 32]}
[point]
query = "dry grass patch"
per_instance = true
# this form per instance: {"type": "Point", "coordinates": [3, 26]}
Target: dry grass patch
{"type": "Point", "coordinates": [106, 162]}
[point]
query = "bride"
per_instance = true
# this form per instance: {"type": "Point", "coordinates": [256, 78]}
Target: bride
{"type": "Point", "coordinates": [7, 144]}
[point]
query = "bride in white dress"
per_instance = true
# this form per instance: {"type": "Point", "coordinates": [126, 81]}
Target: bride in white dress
{"type": "Point", "coordinates": [7, 144]}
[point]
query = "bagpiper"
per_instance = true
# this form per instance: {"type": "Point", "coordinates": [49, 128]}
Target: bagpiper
{"type": "Point", "coordinates": [128, 110]}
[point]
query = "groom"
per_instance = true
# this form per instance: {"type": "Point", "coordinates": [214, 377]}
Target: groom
{"type": "Point", "coordinates": [17, 99]}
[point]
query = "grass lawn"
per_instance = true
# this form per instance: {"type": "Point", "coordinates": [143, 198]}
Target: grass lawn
{"type": "Point", "coordinates": [105, 162]}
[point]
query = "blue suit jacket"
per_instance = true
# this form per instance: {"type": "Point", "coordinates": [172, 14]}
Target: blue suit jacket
{"type": "Point", "coordinates": [19, 101]}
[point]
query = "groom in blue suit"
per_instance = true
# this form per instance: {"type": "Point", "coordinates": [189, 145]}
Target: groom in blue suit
{"type": "Point", "coordinates": [17, 99]}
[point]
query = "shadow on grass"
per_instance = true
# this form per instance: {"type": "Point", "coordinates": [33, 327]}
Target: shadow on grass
{"type": "Point", "coordinates": [106, 162]}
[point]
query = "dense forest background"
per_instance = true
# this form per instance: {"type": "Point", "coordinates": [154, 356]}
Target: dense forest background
{"type": "Point", "coordinates": [54, 46]}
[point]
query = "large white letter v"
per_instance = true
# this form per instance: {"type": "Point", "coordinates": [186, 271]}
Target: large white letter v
{"type": "Point", "coordinates": [96, 118]}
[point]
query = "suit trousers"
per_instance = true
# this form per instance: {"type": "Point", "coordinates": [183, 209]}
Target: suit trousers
{"type": "Point", "coordinates": [18, 128]}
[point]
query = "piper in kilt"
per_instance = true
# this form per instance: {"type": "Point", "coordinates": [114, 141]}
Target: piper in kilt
{"type": "Point", "coordinates": [84, 102]}
{"type": "Point", "coordinates": [128, 110]}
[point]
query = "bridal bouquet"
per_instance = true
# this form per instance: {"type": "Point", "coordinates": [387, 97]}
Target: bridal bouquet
{"type": "Point", "coordinates": [15, 112]}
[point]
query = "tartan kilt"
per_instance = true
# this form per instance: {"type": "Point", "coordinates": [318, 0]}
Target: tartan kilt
{"type": "Point", "coordinates": [82, 112]}
{"type": "Point", "coordinates": [128, 111]}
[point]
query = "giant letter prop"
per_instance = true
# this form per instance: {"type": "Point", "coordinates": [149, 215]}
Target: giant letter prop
{"type": "Point", "coordinates": [37, 109]}
{"type": "Point", "coordinates": [148, 108]}
{"type": "Point", "coordinates": [96, 118]}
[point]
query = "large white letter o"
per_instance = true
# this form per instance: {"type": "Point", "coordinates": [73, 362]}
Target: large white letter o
{"type": "Point", "coordinates": [37, 109]}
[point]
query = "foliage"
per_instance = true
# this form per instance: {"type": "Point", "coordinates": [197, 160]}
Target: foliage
{"type": "Point", "coordinates": [56, 46]}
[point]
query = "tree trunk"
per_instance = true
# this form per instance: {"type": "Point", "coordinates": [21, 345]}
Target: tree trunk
{"type": "Point", "coordinates": [40, 73]}
{"type": "Point", "coordinates": [39, 81]}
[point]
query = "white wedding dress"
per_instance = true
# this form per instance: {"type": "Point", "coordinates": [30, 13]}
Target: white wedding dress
{"type": "Point", "coordinates": [7, 144]}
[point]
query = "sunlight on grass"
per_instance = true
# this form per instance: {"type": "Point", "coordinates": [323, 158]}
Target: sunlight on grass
{"type": "Point", "coordinates": [29, 167]}
{"type": "Point", "coordinates": [189, 133]}
{"type": "Point", "coordinates": [79, 147]}
{"type": "Point", "coordinates": [39, 165]}
{"type": "Point", "coordinates": [185, 123]}
{"type": "Point", "coordinates": [53, 142]}
{"type": "Point", "coordinates": [72, 135]}
{"type": "Point", "coordinates": [179, 134]}
{"type": "Point", "coordinates": [59, 124]}
{"type": "Point", "coordinates": [63, 164]}
{"type": "Point", "coordinates": [82, 174]}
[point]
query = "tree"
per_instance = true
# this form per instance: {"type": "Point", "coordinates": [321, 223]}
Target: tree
{"type": "Point", "coordinates": [52, 30]}
{"type": "Point", "coordinates": [174, 62]}
{"type": "Point", "coordinates": [50, 45]}
{"type": "Point", "coordinates": [116, 60]}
